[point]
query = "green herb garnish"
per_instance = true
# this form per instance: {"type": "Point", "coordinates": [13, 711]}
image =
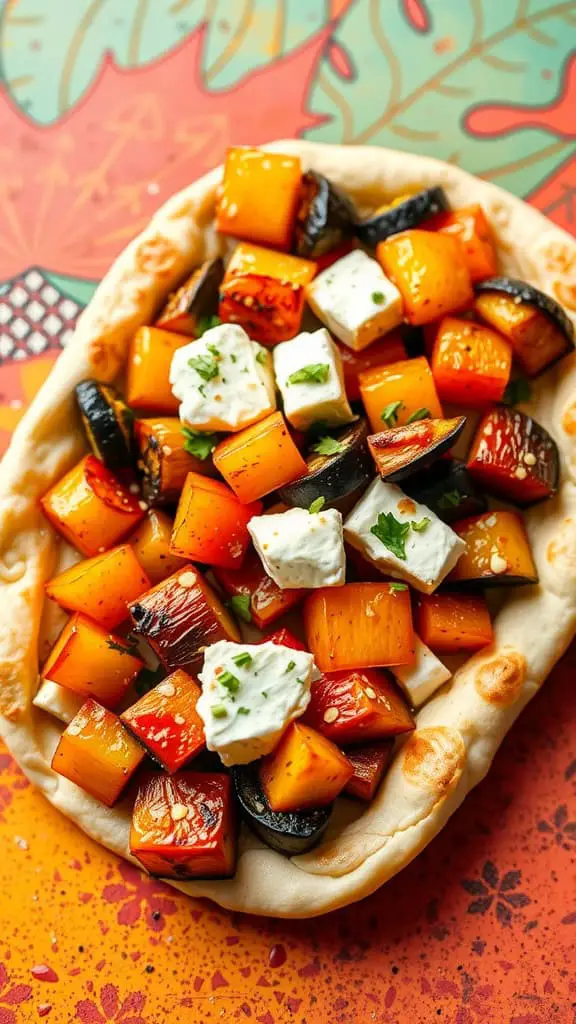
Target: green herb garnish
{"type": "Point", "coordinates": [420, 525]}
{"type": "Point", "coordinates": [313, 373]}
{"type": "Point", "coordinates": [219, 711]}
{"type": "Point", "coordinates": [328, 446]}
{"type": "Point", "coordinates": [127, 648]}
{"type": "Point", "coordinates": [397, 587]}
{"type": "Point", "coordinates": [264, 693]}
{"type": "Point", "coordinates": [243, 660]}
{"type": "Point", "coordinates": [392, 533]}
{"type": "Point", "coordinates": [450, 499]}
{"type": "Point", "coordinates": [214, 351]}
{"type": "Point", "coordinates": [419, 414]}
{"type": "Point", "coordinates": [317, 505]}
{"type": "Point", "coordinates": [205, 366]}
{"type": "Point", "coordinates": [240, 605]}
{"type": "Point", "coordinates": [378, 298]}
{"type": "Point", "coordinates": [243, 711]}
{"type": "Point", "coordinates": [518, 390]}
{"type": "Point", "coordinates": [261, 355]}
{"type": "Point", "coordinates": [206, 323]}
{"type": "Point", "coordinates": [199, 445]}
{"type": "Point", "coordinates": [291, 665]}
{"type": "Point", "coordinates": [390, 413]}
{"type": "Point", "coordinates": [228, 681]}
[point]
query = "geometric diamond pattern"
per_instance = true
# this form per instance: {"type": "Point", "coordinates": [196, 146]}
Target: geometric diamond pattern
{"type": "Point", "coordinates": [34, 316]}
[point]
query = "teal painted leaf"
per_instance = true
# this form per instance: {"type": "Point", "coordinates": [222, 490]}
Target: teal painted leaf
{"type": "Point", "coordinates": [411, 90]}
{"type": "Point", "coordinates": [77, 288]}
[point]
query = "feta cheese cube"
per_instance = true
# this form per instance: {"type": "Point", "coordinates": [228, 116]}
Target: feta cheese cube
{"type": "Point", "coordinates": [317, 394]}
{"type": "Point", "coordinates": [224, 381]}
{"type": "Point", "coordinates": [250, 694]}
{"type": "Point", "coordinates": [300, 548]}
{"type": "Point", "coordinates": [355, 300]}
{"type": "Point", "coordinates": [58, 701]}
{"type": "Point", "coordinates": [423, 548]}
{"type": "Point", "coordinates": [424, 676]}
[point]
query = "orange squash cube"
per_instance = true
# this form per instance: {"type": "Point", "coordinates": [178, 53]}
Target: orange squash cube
{"type": "Point", "coordinates": [359, 625]}
{"type": "Point", "coordinates": [537, 341]}
{"type": "Point", "coordinates": [470, 227]}
{"type": "Point", "coordinates": [471, 364]}
{"type": "Point", "coordinates": [163, 459]}
{"type": "Point", "coordinates": [151, 543]}
{"type": "Point", "coordinates": [267, 602]}
{"type": "Point", "coordinates": [91, 508]}
{"type": "Point", "coordinates": [92, 662]}
{"type": "Point", "coordinates": [497, 550]}
{"type": "Point", "coordinates": [306, 770]}
{"type": "Point", "coordinates": [450, 623]}
{"type": "Point", "coordinates": [369, 762]}
{"type": "Point", "coordinates": [166, 723]}
{"type": "Point", "coordinates": [389, 349]}
{"type": "Point", "coordinates": [148, 370]}
{"type": "Point", "coordinates": [357, 705]}
{"type": "Point", "coordinates": [102, 587]}
{"type": "Point", "coordinates": [429, 271]}
{"type": "Point", "coordinates": [394, 394]}
{"type": "Point", "coordinates": [259, 459]}
{"type": "Point", "coordinates": [184, 825]}
{"type": "Point", "coordinates": [97, 753]}
{"type": "Point", "coordinates": [211, 524]}
{"type": "Point", "coordinates": [259, 197]}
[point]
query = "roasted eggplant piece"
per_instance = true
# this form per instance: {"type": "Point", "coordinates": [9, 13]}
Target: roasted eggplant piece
{"type": "Point", "coordinates": [288, 832]}
{"type": "Point", "coordinates": [163, 459]}
{"type": "Point", "coordinates": [402, 214]}
{"type": "Point", "coordinates": [369, 763]}
{"type": "Point", "coordinates": [513, 457]}
{"type": "Point", "coordinates": [448, 489]}
{"type": "Point", "coordinates": [338, 466]}
{"type": "Point", "coordinates": [195, 301]}
{"type": "Point", "coordinates": [400, 451]}
{"type": "Point", "coordinates": [497, 551]}
{"type": "Point", "coordinates": [536, 326]}
{"type": "Point", "coordinates": [108, 423]}
{"type": "Point", "coordinates": [325, 217]}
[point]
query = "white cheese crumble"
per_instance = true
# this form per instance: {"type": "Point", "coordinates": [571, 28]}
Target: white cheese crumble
{"type": "Point", "coordinates": [223, 380]}
{"type": "Point", "coordinates": [58, 701]}
{"type": "Point", "coordinates": [355, 300]}
{"type": "Point", "coordinates": [250, 694]}
{"type": "Point", "coordinates": [431, 548]}
{"type": "Point", "coordinates": [424, 676]}
{"type": "Point", "coordinates": [300, 548]}
{"type": "Point", "coordinates": [321, 395]}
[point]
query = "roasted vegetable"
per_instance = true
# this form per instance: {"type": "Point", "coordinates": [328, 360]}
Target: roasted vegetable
{"type": "Point", "coordinates": [91, 508]}
{"type": "Point", "coordinates": [497, 551]}
{"type": "Point", "coordinates": [97, 753]}
{"type": "Point", "coordinates": [339, 466]}
{"type": "Point", "coordinates": [369, 762]}
{"type": "Point", "coordinates": [448, 489]}
{"type": "Point", "coordinates": [449, 623]}
{"type": "Point", "coordinates": [470, 363]}
{"type": "Point", "coordinates": [324, 219]}
{"type": "Point", "coordinates": [92, 662]}
{"type": "Point", "coordinates": [183, 825]}
{"type": "Point", "coordinates": [400, 451]}
{"type": "Point", "coordinates": [399, 393]}
{"type": "Point", "coordinates": [389, 349]}
{"type": "Point", "coordinates": [166, 723]}
{"type": "Point", "coordinates": [536, 326]}
{"type": "Point", "coordinates": [470, 226]}
{"type": "Point", "coordinates": [259, 196]}
{"type": "Point", "coordinates": [285, 638]}
{"type": "Point", "coordinates": [288, 832]}
{"type": "Point", "coordinates": [148, 370]}
{"type": "Point", "coordinates": [164, 459]}
{"type": "Point", "coordinates": [259, 459]}
{"type": "Point", "coordinates": [305, 771]}
{"type": "Point", "coordinates": [357, 705]}
{"type": "Point", "coordinates": [101, 587]}
{"type": "Point", "coordinates": [263, 291]}
{"type": "Point", "coordinates": [108, 423]}
{"type": "Point", "coordinates": [151, 543]}
{"type": "Point", "coordinates": [428, 269]}
{"type": "Point", "coordinates": [264, 600]}
{"type": "Point", "coordinates": [211, 523]}
{"type": "Point", "coordinates": [180, 617]}
{"type": "Point", "coordinates": [359, 625]}
{"type": "Point", "coordinates": [189, 308]}
{"type": "Point", "coordinates": [514, 457]}
{"type": "Point", "coordinates": [402, 214]}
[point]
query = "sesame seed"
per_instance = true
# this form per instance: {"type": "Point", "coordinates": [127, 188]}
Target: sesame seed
{"type": "Point", "coordinates": [529, 459]}
{"type": "Point", "coordinates": [178, 812]}
{"type": "Point", "coordinates": [370, 693]}
{"type": "Point", "coordinates": [167, 689]}
{"type": "Point", "coordinates": [143, 506]}
{"type": "Point", "coordinates": [498, 564]}
{"type": "Point", "coordinates": [520, 473]}
{"type": "Point", "coordinates": [330, 715]}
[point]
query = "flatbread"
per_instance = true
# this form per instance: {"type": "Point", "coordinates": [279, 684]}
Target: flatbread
{"type": "Point", "coordinates": [460, 729]}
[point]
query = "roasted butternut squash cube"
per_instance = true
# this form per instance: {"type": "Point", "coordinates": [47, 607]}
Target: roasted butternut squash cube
{"type": "Point", "coordinates": [259, 197]}
{"type": "Point", "coordinates": [470, 363]}
{"type": "Point", "coordinates": [211, 524]}
{"type": "Point", "coordinates": [306, 770]}
{"type": "Point", "coordinates": [166, 723]}
{"type": "Point", "coordinates": [356, 705]}
{"type": "Point", "coordinates": [266, 602]}
{"type": "Point", "coordinates": [389, 349]}
{"type": "Point", "coordinates": [102, 587]}
{"type": "Point", "coordinates": [151, 543]}
{"type": "Point", "coordinates": [97, 753]}
{"type": "Point", "coordinates": [184, 825]}
{"type": "Point", "coordinates": [259, 459]}
{"type": "Point", "coordinates": [163, 459]}
{"type": "Point", "coordinates": [369, 762]}
{"type": "Point", "coordinates": [92, 662]}
{"type": "Point", "coordinates": [148, 370]}
{"type": "Point", "coordinates": [497, 550]}
{"type": "Point", "coordinates": [470, 227]}
{"type": "Point", "coordinates": [450, 623]}
{"type": "Point", "coordinates": [428, 269]}
{"type": "Point", "coordinates": [398, 393]}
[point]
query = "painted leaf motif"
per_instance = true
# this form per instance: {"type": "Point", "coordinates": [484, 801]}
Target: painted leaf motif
{"type": "Point", "coordinates": [510, 881]}
{"type": "Point", "coordinates": [412, 89]}
{"type": "Point", "coordinates": [51, 53]}
{"type": "Point", "coordinates": [490, 874]}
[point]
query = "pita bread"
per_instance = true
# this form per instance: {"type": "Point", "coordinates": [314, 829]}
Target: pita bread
{"type": "Point", "coordinates": [460, 729]}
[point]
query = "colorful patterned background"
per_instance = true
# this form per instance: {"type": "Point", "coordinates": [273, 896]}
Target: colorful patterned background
{"type": "Point", "coordinates": [106, 108]}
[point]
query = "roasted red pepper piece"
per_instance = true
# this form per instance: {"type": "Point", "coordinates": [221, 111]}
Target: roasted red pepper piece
{"type": "Point", "coordinates": [166, 722]}
{"type": "Point", "coordinates": [284, 638]}
{"type": "Point", "coordinates": [211, 523]}
{"type": "Point", "coordinates": [400, 451]}
{"type": "Point", "coordinates": [513, 457]}
{"type": "Point", "coordinates": [267, 601]}
{"type": "Point", "coordinates": [369, 763]}
{"type": "Point", "coordinates": [470, 363]}
{"type": "Point", "coordinates": [184, 825]}
{"type": "Point", "coordinates": [357, 705]}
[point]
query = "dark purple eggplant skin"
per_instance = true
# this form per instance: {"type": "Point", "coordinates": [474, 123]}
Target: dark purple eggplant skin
{"type": "Point", "coordinates": [325, 218]}
{"type": "Point", "coordinates": [428, 454]}
{"type": "Point", "coordinates": [524, 292]}
{"type": "Point", "coordinates": [286, 832]}
{"type": "Point", "coordinates": [109, 425]}
{"type": "Point", "coordinates": [333, 477]}
{"type": "Point", "coordinates": [409, 214]}
{"type": "Point", "coordinates": [447, 477]}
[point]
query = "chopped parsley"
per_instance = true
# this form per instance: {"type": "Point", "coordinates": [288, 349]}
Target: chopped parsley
{"type": "Point", "coordinates": [450, 499]}
{"type": "Point", "coordinates": [128, 648]}
{"type": "Point", "coordinates": [240, 605]}
{"type": "Point", "coordinates": [420, 525]}
{"type": "Point", "coordinates": [392, 533]}
{"type": "Point", "coordinates": [378, 298]}
{"type": "Point", "coordinates": [233, 357]}
{"type": "Point", "coordinates": [301, 681]}
{"type": "Point", "coordinates": [317, 505]}
{"type": "Point", "coordinates": [229, 682]}
{"type": "Point", "coordinates": [261, 355]}
{"type": "Point", "coordinates": [397, 587]}
{"type": "Point", "coordinates": [206, 323]}
{"type": "Point", "coordinates": [390, 413]}
{"type": "Point", "coordinates": [214, 351]}
{"type": "Point", "coordinates": [199, 445]}
{"type": "Point", "coordinates": [518, 390]}
{"type": "Point", "coordinates": [290, 666]}
{"type": "Point", "coordinates": [219, 711]}
{"type": "Point", "coordinates": [313, 373]}
{"type": "Point", "coordinates": [419, 414]}
{"type": "Point", "coordinates": [264, 693]}
{"type": "Point", "coordinates": [243, 711]}
{"type": "Point", "coordinates": [328, 446]}
{"type": "Point", "coordinates": [205, 366]}
{"type": "Point", "coordinates": [243, 660]}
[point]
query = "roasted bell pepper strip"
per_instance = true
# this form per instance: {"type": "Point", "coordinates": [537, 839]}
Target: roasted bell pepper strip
{"type": "Point", "coordinates": [91, 508]}
{"type": "Point", "coordinates": [148, 370]}
{"type": "Point", "coordinates": [369, 762]}
{"type": "Point", "coordinates": [449, 623]}
{"type": "Point", "coordinates": [92, 662]}
{"type": "Point", "coordinates": [428, 270]}
{"type": "Point", "coordinates": [259, 459]}
{"type": "Point", "coordinates": [497, 550]}
{"type": "Point", "coordinates": [400, 451]}
{"type": "Point", "coordinates": [211, 524]}
{"type": "Point", "coordinates": [180, 617]}
{"type": "Point", "coordinates": [266, 601]}
{"type": "Point", "coordinates": [151, 543]}
{"type": "Point", "coordinates": [259, 196]}
{"type": "Point", "coordinates": [513, 457]}
{"type": "Point", "coordinates": [97, 753]}
{"type": "Point", "coordinates": [194, 301]}
{"type": "Point", "coordinates": [102, 587]}
{"type": "Point", "coordinates": [166, 723]}
{"type": "Point", "coordinates": [306, 770]}
{"type": "Point", "coordinates": [389, 349]}
{"type": "Point", "coordinates": [470, 363]}
{"type": "Point", "coordinates": [163, 459]}
{"type": "Point", "coordinates": [184, 825]}
{"type": "Point", "coordinates": [359, 625]}
{"type": "Point", "coordinates": [470, 226]}
{"type": "Point", "coordinates": [357, 705]}
{"type": "Point", "coordinates": [398, 393]}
